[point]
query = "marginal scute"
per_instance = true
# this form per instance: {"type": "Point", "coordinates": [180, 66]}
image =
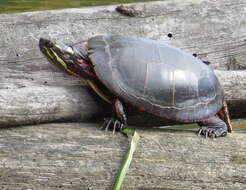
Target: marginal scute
{"type": "Point", "coordinates": [162, 79]}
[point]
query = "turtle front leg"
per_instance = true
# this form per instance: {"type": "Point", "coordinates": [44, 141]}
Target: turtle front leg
{"type": "Point", "coordinates": [118, 120]}
{"type": "Point", "coordinates": [212, 127]}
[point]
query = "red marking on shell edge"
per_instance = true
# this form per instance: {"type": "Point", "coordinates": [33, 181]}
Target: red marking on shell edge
{"type": "Point", "coordinates": [186, 121]}
{"type": "Point", "coordinates": [167, 118]}
{"type": "Point", "coordinates": [141, 109]}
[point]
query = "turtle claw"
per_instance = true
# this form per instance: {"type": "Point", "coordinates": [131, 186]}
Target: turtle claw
{"type": "Point", "coordinates": [112, 123]}
{"type": "Point", "coordinates": [105, 124]}
{"type": "Point", "coordinates": [212, 132]}
{"type": "Point", "coordinates": [108, 124]}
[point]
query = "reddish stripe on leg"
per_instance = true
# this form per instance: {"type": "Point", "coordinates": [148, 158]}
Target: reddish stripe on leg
{"type": "Point", "coordinates": [80, 61]}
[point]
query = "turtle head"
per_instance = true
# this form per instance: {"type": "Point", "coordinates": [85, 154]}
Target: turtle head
{"type": "Point", "coordinates": [66, 58]}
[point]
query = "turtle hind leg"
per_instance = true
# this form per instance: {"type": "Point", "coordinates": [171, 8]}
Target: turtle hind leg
{"type": "Point", "coordinates": [212, 127]}
{"type": "Point", "coordinates": [118, 120]}
{"type": "Point", "coordinates": [223, 114]}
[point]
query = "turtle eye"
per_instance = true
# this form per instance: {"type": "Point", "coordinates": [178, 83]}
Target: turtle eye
{"type": "Point", "coordinates": [69, 49]}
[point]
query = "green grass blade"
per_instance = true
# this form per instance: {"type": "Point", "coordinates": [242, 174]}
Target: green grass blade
{"type": "Point", "coordinates": [128, 157]}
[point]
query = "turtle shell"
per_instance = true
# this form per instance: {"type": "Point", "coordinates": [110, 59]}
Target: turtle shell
{"type": "Point", "coordinates": [156, 77]}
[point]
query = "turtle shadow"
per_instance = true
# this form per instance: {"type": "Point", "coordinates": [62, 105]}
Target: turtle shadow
{"type": "Point", "coordinates": [166, 130]}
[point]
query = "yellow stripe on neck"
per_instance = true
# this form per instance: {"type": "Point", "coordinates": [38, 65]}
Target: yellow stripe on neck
{"type": "Point", "coordinates": [58, 59]}
{"type": "Point", "coordinates": [98, 91]}
{"type": "Point", "coordinates": [91, 83]}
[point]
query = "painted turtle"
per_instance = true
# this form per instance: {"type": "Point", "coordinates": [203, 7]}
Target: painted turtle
{"type": "Point", "coordinates": [149, 75]}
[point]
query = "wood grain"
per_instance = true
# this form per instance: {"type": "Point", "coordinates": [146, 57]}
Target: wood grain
{"type": "Point", "coordinates": [80, 156]}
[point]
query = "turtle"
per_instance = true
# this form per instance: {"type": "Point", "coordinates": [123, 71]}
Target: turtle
{"type": "Point", "coordinates": [148, 75]}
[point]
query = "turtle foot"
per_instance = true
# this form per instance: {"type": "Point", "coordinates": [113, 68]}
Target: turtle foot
{"type": "Point", "coordinates": [212, 132]}
{"type": "Point", "coordinates": [112, 124]}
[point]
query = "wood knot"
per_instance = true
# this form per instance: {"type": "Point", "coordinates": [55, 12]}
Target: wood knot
{"type": "Point", "coordinates": [130, 10]}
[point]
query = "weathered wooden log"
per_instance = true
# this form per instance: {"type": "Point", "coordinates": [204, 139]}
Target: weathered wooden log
{"type": "Point", "coordinates": [33, 91]}
{"type": "Point", "coordinates": [80, 156]}
{"type": "Point", "coordinates": [39, 104]}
